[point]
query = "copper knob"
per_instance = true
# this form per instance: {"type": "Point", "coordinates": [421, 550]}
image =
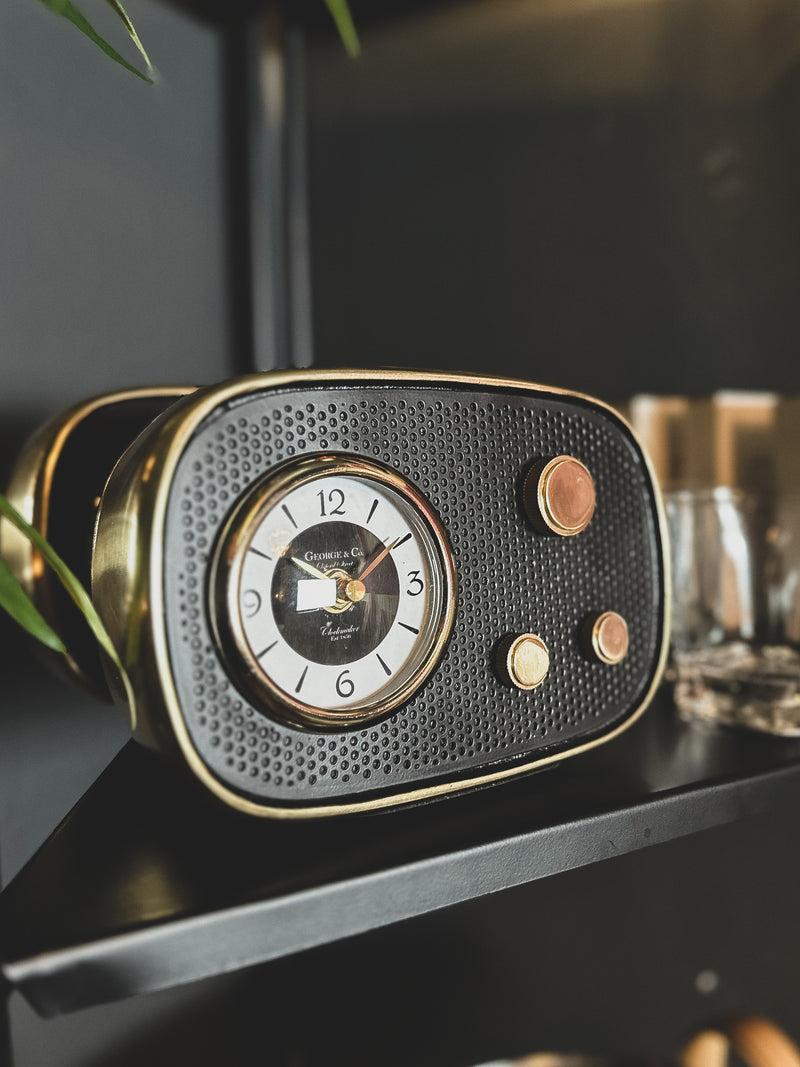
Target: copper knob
{"type": "Point", "coordinates": [559, 496]}
{"type": "Point", "coordinates": [608, 637]}
{"type": "Point", "coordinates": [522, 660]}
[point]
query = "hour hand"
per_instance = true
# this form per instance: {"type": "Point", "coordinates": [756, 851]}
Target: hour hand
{"type": "Point", "coordinates": [308, 568]}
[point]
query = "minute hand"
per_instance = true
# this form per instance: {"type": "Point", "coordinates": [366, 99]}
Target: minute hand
{"type": "Point", "coordinates": [381, 556]}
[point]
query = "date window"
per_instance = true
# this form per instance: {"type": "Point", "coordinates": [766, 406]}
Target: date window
{"type": "Point", "coordinates": [316, 593]}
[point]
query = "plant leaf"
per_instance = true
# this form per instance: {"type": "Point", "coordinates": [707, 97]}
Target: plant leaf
{"type": "Point", "coordinates": [65, 576]}
{"type": "Point", "coordinates": [340, 12]}
{"type": "Point", "coordinates": [75, 590]}
{"type": "Point", "coordinates": [68, 10]}
{"type": "Point", "coordinates": [17, 603]}
{"type": "Point", "coordinates": [120, 11]}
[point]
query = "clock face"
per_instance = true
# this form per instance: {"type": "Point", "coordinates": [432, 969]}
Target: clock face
{"type": "Point", "coordinates": [333, 591]}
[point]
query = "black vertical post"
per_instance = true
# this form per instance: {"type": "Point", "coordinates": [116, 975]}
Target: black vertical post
{"type": "Point", "coordinates": [298, 241]}
{"type": "Point", "coordinates": [269, 260]}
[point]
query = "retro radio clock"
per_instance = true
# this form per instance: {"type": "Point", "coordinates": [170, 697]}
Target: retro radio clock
{"type": "Point", "coordinates": [340, 591]}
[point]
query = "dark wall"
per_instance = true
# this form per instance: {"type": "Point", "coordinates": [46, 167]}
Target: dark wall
{"type": "Point", "coordinates": [602, 197]}
{"type": "Point", "coordinates": [112, 252]}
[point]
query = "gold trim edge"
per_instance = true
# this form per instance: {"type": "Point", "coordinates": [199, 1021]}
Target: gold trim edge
{"type": "Point", "coordinates": [192, 411]}
{"type": "Point", "coordinates": [29, 489]}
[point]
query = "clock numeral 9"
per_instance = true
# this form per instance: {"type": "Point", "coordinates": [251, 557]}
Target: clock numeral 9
{"type": "Point", "coordinates": [344, 685]}
{"type": "Point", "coordinates": [415, 584]}
{"type": "Point", "coordinates": [251, 602]}
{"type": "Point", "coordinates": [335, 501]}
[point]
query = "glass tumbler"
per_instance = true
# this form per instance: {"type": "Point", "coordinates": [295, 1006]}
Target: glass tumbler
{"type": "Point", "coordinates": [730, 660]}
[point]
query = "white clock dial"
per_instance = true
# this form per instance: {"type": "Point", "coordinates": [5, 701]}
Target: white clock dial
{"type": "Point", "coordinates": [334, 590]}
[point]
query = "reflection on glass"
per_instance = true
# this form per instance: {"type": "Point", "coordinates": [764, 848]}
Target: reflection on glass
{"type": "Point", "coordinates": [713, 568]}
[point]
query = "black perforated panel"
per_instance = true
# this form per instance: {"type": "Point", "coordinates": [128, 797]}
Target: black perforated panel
{"type": "Point", "coordinates": [466, 451]}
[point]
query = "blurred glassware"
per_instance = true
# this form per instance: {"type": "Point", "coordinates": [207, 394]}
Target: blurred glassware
{"type": "Point", "coordinates": [715, 591]}
{"type": "Point", "coordinates": [731, 664]}
{"type": "Point", "coordinates": [735, 549]}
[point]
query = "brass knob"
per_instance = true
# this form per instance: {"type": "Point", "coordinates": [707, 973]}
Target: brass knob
{"type": "Point", "coordinates": [355, 590]}
{"type": "Point", "coordinates": [522, 660]}
{"type": "Point", "coordinates": [607, 637]}
{"type": "Point", "coordinates": [559, 496]}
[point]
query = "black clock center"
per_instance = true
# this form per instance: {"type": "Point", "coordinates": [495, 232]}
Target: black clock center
{"type": "Point", "coordinates": [338, 550]}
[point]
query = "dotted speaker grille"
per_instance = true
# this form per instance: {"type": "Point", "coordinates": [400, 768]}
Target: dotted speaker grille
{"type": "Point", "coordinates": [466, 451]}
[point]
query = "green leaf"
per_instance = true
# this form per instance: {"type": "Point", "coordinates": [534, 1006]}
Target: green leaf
{"type": "Point", "coordinates": [16, 602]}
{"type": "Point", "coordinates": [120, 11]}
{"type": "Point", "coordinates": [68, 10]}
{"type": "Point", "coordinates": [75, 590]}
{"type": "Point", "coordinates": [340, 13]}
{"type": "Point", "coordinates": [66, 577]}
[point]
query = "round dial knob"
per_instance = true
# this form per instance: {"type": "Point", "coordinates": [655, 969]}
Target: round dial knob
{"type": "Point", "coordinates": [522, 660]}
{"type": "Point", "coordinates": [608, 637]}
{"type": "Point", "coordinates": [333, 591]}
{"type": "Point", "coordinates": [559, 496]}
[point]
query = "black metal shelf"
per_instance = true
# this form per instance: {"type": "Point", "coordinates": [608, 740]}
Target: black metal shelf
{"type": "Point", "coordinates": [150, 882]}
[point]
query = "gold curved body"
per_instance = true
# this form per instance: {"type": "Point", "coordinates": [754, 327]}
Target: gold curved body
{"type": "Point", "coordinates": [29, 491]}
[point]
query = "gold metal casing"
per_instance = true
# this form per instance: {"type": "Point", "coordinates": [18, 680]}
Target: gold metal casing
{"type": "Point", "coordinates": [128, 567]}
{"type": "Point", "coordinates": [30, 491]}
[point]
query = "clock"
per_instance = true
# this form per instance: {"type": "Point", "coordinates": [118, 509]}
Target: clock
{"type": "Point", "coordinates": [338, 591]}
{"type": "Point", "coordinates": [332, 591]}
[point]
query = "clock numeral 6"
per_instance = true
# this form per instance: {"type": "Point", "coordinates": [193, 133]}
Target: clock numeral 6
{"type": "Point", "coordinates": [344, 685]}
{"type": "Point", "coordinates": [415, 584]}
{"type": "Point", "coordinates": [335, 501]}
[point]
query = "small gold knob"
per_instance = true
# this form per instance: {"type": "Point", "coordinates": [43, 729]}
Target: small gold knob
{"type": "Point", "coordinates": [559, 496]}
{"type": "Point", "coordinates": [522, 660]}
{"type": "Point", "coordinates": [608, 637]}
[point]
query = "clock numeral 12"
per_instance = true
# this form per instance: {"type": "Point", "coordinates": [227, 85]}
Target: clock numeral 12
{"type": "Point", "coordinates": [335, 501]}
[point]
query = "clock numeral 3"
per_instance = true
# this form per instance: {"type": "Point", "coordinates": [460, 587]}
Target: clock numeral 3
{"type": "Point", "coordinates": [415, 584]}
